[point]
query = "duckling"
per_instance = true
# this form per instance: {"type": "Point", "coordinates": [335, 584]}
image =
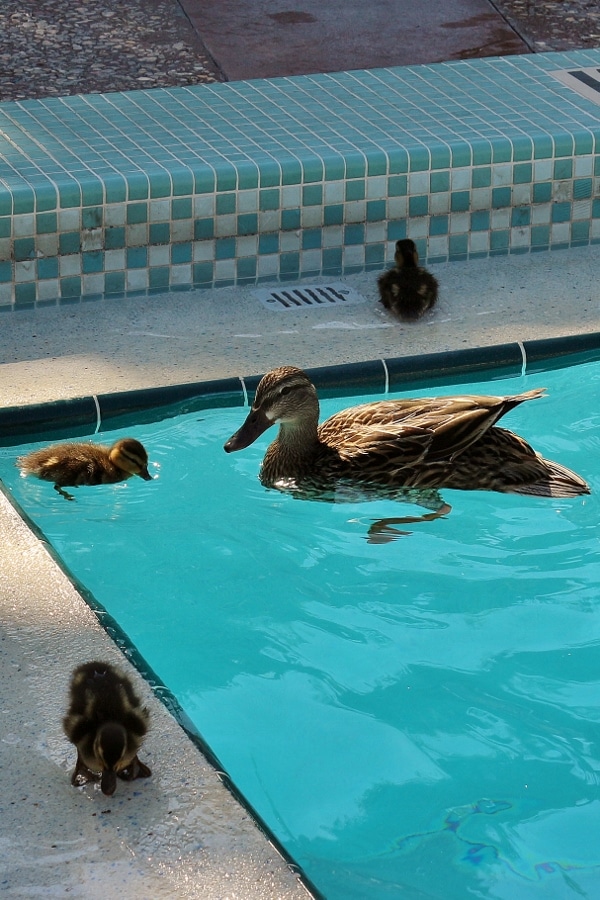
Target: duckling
{"type": "Point", "coordinates": [73, 464]}
{"type": "Point", "coordinates": [107, 723]}
{"type": "Point", "coordinates": [408, 289]}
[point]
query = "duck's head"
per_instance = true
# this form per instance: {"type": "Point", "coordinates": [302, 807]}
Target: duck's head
{"type": "Point", "coordinates": [130, 456]}
{"type": "Point", "coordinates": [285, 396]}
{"type": "Point", "coordinates": [110, 749]}
{"type": "Point", "coordinates": [406, 253]}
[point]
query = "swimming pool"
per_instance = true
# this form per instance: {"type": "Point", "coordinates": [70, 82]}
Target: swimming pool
{"type": "Point", "coordinates": [416, 718]}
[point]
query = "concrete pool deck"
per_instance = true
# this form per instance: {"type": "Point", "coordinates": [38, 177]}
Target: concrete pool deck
{"type": "Point", "coordinates": [181, 833]}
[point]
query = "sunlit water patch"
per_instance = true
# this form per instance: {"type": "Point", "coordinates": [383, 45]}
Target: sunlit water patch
{"type": "Point", "coordinates": [417, 719]}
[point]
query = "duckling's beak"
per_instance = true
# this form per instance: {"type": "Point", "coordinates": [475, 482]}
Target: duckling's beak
{"type": "Point", "coordinates": [145, 474]}
{"type": "Point", "coordinates": [253, 427]}
{"type": "Point", "coordinates": [108, 782]}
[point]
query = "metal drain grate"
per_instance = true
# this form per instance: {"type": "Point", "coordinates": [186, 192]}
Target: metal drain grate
{"type": "Point", "coordinates": [585, 82]}
{"type": "Point", "coordinates": [309, 296]}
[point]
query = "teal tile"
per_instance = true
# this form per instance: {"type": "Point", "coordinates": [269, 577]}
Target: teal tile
{"type": "Point", "coordinates": [397, 161]}
{"type": "Point", "coordinates": [332, 260]}
{"type": "Point", "coordinates": [499, 240]}
{"type": "Point", "coordinates": [596, 208]}
{"type": "Point", "coordinates": [181, 208]}
{"type": "Point", "coordinates": [6, 273]}
{"type": "Point", "coordinates": [183, 182]}
{"type": "Point", "coordinates": [561, 212]}
{"type": "Point", "coordinates": [332, 215]}
{"type": "Point", "coordinates": [246, 268]}
{"type": "Point", "coordinates": [312, 195]}
{"type": "Point", "coordinates": [418, 159]}
{"type": "Point", "coordinates": [268, 243]}
{"type": "Point", "coordinates": [137, 213]}
{"type": "Point", "coordinates": [269, 173]}
{"type": "Point", "coordinates": [482, 151]}
{"type": "Point", "coordinates": [440, 156]}
{"type": "Point", "coordinates": [92, 261]}
{"type": "Point", "coordinates": [181, 253]}
{"type": "Point", "coordinates": [138, 187]}
{"type": "Point", "coordinates": [597, 165]}
{"type": "Point", "coordinates": [204, 229]}
{"type": "Point", "coordinates": [114, 238]}
{"type": "Point", "coordinates": [46, 223]}
{"type": "Point", "coordinates": [480, 220]}
{"type": "Point", "coordinates": [205, 181]}
{"type": "Point", "coordinates": [377, 162]}
{"type": "Point", "coordinates": [582, 188]}
{"type": "Point", "coordinates": [520, 216]}
{"type": "Point", "coordinates": [47, 267]}
{"type": "Point", "coordinates": [584, 143]}
{"type": "Point", "coordinates": [461, 155]}
{"type": "Point", "coordinates": [481, 177]}
{"type": "Point", "coordinates": [543, 146]}
{"type": "Point", "coordinates": [226, 203]}
{"type": "Point", "coordinates": [46, 197]}
{"type": "Point", "coordinates": [522, 147]}
{"type": "Point", "coordinates": [289, 264]}
{"type": "Point", "coordinates": [501, 150]}
{"type": "Point", "coordinates": [6, 203]}
{"type": "Point", "coordinates": [226, 177]}
{"type": "Point", "coordinates": [356, 165]}
{"type": "Point", "coordinates": [269, 199]}
{"type": "Point", "coordinates": [563, 169]}
{"type": "Point", "coordinates": [460, 201]}
{"type": "Point", "coordinates": [114, 282]}
{"type": "Point", "coordinates": [563, 145]}
{"type": "Point", "coordinates": [375, 255]}
{"type": "Point", "coordinates": [23, 200]}
{"type": "Point", "coordinates": [247, 223]}
{"type": "Point", "coordinates": [312, 238]}
{"type": "Point", "coordinates": [439, 181]}
{"type": "Point", "coordinates": [335, 168]}
{"type": "Point", "coordinates": [160, 233]}
{"type": "Point", "coordinates": [25, 293]}
{"type": "Point", "coordinates": [160, 184]}
{"type": "Point", "coordinates": [69, 194]}
{"type": "Point", "coordinates": [69, 242]}
{"type": "Point", "coordinates": [71, 286]}
{"type": "Point", "coordinates": [540, 235]}
{"type": "Point", "coordinates": [458, 245]}
{"type": "Point", "coordinates": [580, 231]}
{"type": "Point", "coordinates": [376, 210]}
{"type": "Point", "coordinates": [438, 225]}
{"type": "Point", "coordinates": [92, 217]}
{"type": "Point", "coordinates": [115, 188]}
{"type": "Point", "coordinates": [501, 196]}
{"type": "Point", "coordinates": [291, 219]}
{"type": "Point", "coordinates": [522, 173]}
{"type": "Point", "coordinates": [355, 190]}
{"type": "Point", "coordinates": [291, 171]}
{"type": "Point", "coordinates": [542, 192]}
{"type": "Point", "coordinates": [203, 273]}
{"type": "Point", "coordinates": [418, 206]}
{"type": "Point", "coordinates": [137, 257]}
{"type": "Point", "coordinates": [5, 226]}
{"type": "Point", "coordinates": [312, 169]}
{"type": "Point", "coordinates": [354, 234]}
{"type": "Point", "coordinates": [225, 248]}
{"type": "Point", "coordinates": [24, 248]}
{"type": "Point", "coordinates": [396, 230]}
{"type": "Point", "coordinates": [397, 185]}
{"type": "Point", "coordinates": [159, 277]}
{"type": "Point", "coordinates": [247, 176]}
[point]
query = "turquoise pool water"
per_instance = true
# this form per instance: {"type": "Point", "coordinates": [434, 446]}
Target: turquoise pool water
{"type": "Point", "coordinates": [418, 719]}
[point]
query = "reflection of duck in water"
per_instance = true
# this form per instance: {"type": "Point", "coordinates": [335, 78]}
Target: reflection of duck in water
{"type": "Point", "coordinates": [70, 465]}
{"type": "Point", "coordinates": [107, 723]}
{"type": "Point", "coordinates": [408, 289]}
{"type": "Point", "coordinates": [397, 449]}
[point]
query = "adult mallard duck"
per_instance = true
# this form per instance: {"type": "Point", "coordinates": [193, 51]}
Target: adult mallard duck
{"type": "Point", "coordinates": [400, 449]}
{"type": "Point", "coordinates": [107, 723]}
{"type": "Point", "coordinates": [74, 464]}
{"type": "Point", "coordinates": [408, 290]}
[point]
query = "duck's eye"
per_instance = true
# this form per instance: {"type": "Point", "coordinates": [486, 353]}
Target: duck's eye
{"type": "Point", "coordinates": [285, 390]}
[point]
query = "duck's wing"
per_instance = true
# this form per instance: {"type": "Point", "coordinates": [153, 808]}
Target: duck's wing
{"type": "Point", "coordinates": [412, 431]}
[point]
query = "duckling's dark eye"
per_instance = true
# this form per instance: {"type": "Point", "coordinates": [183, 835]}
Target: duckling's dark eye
{"type": "Point", "coordinates": [285, 390]}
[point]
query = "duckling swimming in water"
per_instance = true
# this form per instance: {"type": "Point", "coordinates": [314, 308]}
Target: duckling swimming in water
{"type": "Point", "coordinates": [107, 723]}
{"type": "Point", "coordinates": [73, 464]}
{"type": "Point", "coordinates": [408, 290]}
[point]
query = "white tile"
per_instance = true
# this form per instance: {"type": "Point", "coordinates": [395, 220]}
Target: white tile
{"type": "Point", "coordinates": [70, 265]}
{"type": "Point", "coordinates": [500, 218]}
{"type": "Point", "coordinates": [92, 284]}
{"type": "Point", "coordinates": [311, 261]}
{"type": "Point", "coordinates": [520, 237]}
{"type": "Point", "coordinates": [460, 179]}
{"type": "Point", "coordinates": [268, 221]}
{"type": "Point", "coordinates": [375, 232]}
{"type": "Point", "coordinates": [332, 236]}
{"type": "Point", "coordinates": [114, 215]}
{"type": "Point", "coordinates": [355, 211]}
{"type": "Point", "coordinates": [540, 214]}
{"type": "Point", "coordinates": [47, 245]}
{"type": "Point", "coordinates": [543, 169]}
{"type": "Point", "coordinates": [205, 204]}
{"type": "Point", "coordinates": [114, 260]}
{"type": "Point", "coordinates": [5, 249]}
{"type": "Point", "coordinates": [23, 225]}
{"type": "Point", "coordinates": [418, 183]}
{"type": "Point", "coordinates": [289, 241]}
{"type": "Point", "coordinates": [354, 255]}
{"type": "Point", "coordinates": [522, 194]}
{"type": "Point", "coordinates": [584, 166]}
{"type": "Point", "coordinates": [438, 245]}
{"type": "Point", "coordinates": [481, 198]}
{"type": "Point", "coordinates": [136, 279]}
{"type": "Point", "coordinates": [439, 203]}
{"type": "Point", "coordinates": [182, 274]}
{"type": "Point", "coordinates": [334, 192]}
{"type": "Point", "coordinates": [479, 241]}
{"type": "Point", "coordinates": [418, 228]}
{"type": "Point", "coordinates": [291, 197]}
{"type": "Point", "coordinates": [25, 270]}
{"type": "Point", "coordinates": [397, 207]}
{"type": "Point", "coordinates": [183, 229]}
{"type": "Point", "coordinates": [247, 245]}
{"type": "Point", "coordinates": [159, 255]}
{"type": "Point", "coordinates": [560, 233]}
{"type": "Point", "coordinates": [376, 188]}
{"type": "Point", "coordinates": [460, 222]}
{"type": "Point", "coordinates": [6, 294]}
{"type": "Point", "coordinates": [159, 211]}
{"type": "Point", "coordinates": [502, 175]}
{"type": "Point", "coordinates": [92, 239]}
{"type": "Point", "coordinates": [562, 190]}
{"type": "Point", "coordinates": [268, 265]}
{"type": "Point", "coordinates": [49, 289]}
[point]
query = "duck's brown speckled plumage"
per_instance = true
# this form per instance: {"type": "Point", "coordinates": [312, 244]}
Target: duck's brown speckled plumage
{"type": "Point", "coordinates": [74, 464]}
{"type": "Point", "coordinates": [408, 290]}
{"type": "Point", "coordinates": [107, 722]}
{"type": "Point", "coordinates": [388, 447]}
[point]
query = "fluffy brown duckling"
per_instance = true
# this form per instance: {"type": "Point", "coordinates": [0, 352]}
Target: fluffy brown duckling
{"type": "Point", "coordinates": [107, 723]}
{"type": "Point", "coordinates": [73, 464]}
{"type": "Point", "coordinates": [408, 290]}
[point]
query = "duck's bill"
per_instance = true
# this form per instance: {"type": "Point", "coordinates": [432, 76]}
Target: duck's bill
{"type": "Point", "coordinates": [145, 474]}
{"type": "Point", "coordinates": [108, 783]}
{"type": "Point", "coordinates": [252, 428]}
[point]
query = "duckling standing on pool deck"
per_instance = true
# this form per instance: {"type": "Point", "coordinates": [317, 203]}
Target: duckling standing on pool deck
{"type": "Point", "coordinates": [408, 289]}
{"type": "Point", "coordinates": [74, 464]}
{"type": "Point", "coordinates": [107, 723]}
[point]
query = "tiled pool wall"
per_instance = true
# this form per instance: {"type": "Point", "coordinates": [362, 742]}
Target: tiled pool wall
{"type": "Point", "coordinates": [294, 177]}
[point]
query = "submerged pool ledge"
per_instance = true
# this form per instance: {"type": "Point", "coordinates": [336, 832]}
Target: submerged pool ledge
{"type": "Point", "coordinates": [238, 183]}
{"type": "Point", "coordinates": [67, 419]}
